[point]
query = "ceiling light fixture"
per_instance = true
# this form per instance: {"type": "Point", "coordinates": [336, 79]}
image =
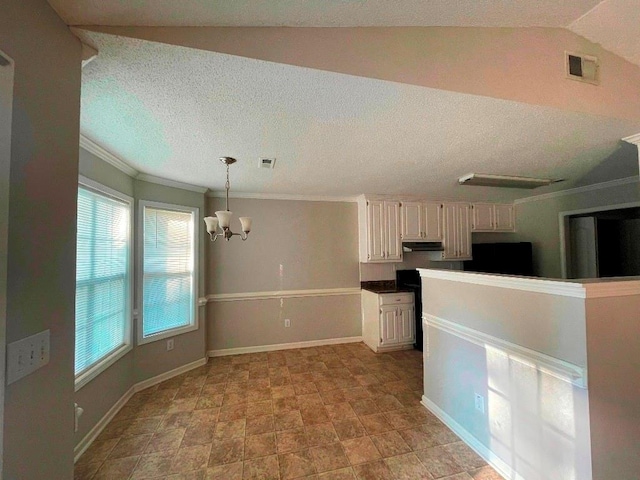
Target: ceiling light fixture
{"type": "Point", "coordinates": [223, 217]}
{"type": "Point", "coordinates": [506, 181]}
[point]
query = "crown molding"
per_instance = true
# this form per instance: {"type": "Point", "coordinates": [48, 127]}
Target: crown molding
{"type": "Point", "coordinates": [635, 139]}
{"type": "Point", "coordinates": [572, 191]}
{"type": "Point", "coordinates": [92, 147]}
{"type": "Point", "coordinates": [145, 177]}
{"type": "Point", "coordinates": [284, 196]}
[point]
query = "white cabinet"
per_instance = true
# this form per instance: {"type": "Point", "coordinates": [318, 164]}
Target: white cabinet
{"type": "Point", "coordinates": [421, 221]}
{"type": "Point", "coordinates": [388, 321]}
{"type": "Point", "coordinates": [379, 231]}
{"type": "Point", "coordinates": [493, 217]}
{"type": "Point", "coordinates": [457, 231]}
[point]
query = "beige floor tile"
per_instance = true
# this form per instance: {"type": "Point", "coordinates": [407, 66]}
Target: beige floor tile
{"type": "Point", "coordinates": [365, 406]}
{"type": "Point", "coordinates": [233, 411]}
{"type": "Point", "coordinates": [400, 419]}
{"type": "Point", "coordinates": [290, 420]}
{"type": "Point", "coordinates": [263, 468]}
{"type": "Point", "coordinates": [340, 411]}
{"type": "Point", "coordinates": [349, 428]}
{"type": "Point", "coordinates": [282, 392]}
{"type": "Point", "coordinates": [305, 388]}
{"type": "Point", "coordinates": [208, 401]}
{"type": "Point", "coordinates": [485, 473]}
{"type": "Point", "coordinates": [224, 472]}
{"type": "Point", "coordinates": [153, 465]}
{"type": "Point", "coordinates": [417, 439]}
{"type": "Point", "coordinates": [291, 441]}
{"type": "Point", "coordinates": [226, 451]}
{"type": "Point", "coordinates": [86, 471]}
{"type": "Point", "coordinates": [286, 404]}
{"type": "Point", "coordinates": [390, 444]}
{"type": "Point", "coordinates": [129, 446]}
{"type": "Point", "coordinates": [321, 434]}
{"type": "Point", "coordinates": [342, 474]}
{"type": "Point", "coordinates": [188, 459]}
{"type": "Point", "coordinates": [464, 456]}
{"type": "Point", "coordinates": [200, 434]}
{"type": "Point", "coordinates": [258, 425]}
{"type": "Point", "coordinates": [329, 457]}
{"type": "Point", "coordinates": [407, 467]}
{"type": "Point", "coordinates": [377, 470]}
{"type": "Point", "coordinates": [259, 445]}
{"type": "Point", "coordinates": [296, 464]}
{"type": "Point", "coordinates": [98, 451]}
{"type": "Point", "coordinates": [258, 409]}
{"type": "Point", "coordinates": [439, 462]}
{"type": "Point", "coordinates": [175, 420]}
{"type": "Point", "coordinates": [314, 414]}
{"type": "Point", "coordinates": [116, 469]}
{"type": "Point", "coordinates": [196, 475]}
{"type": "Point", "coordinates": [458, 476]}
{"type": "Point", "coordinates": [360, 450]}
{"type": "Point", "coordinates": [376, 423]}
{"type": "Point", "coordinates": [230, 429]}
{"type": "Point", "coordinates": [165, 440]}
{"type": "Point", "coordinates": [207, 416]}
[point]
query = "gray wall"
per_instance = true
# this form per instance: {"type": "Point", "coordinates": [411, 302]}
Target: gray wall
{"type": "Point", "coordinates": [294, 245]}
{"type": "Point", "coordinates": [537, 222]}
{"type": "Point", "coordinates": [38, 427]}
{"type": "Point", "coordinates": [151, 359]}
{"type": "Point", "coordinates": [535, 422]}
{"type": "Point", "coordinates": [614, 386]}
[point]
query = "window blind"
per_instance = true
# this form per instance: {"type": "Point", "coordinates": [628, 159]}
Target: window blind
{"type": "Point", "coordinates": [102, 277]}
{"type": "Point", "coordinates": [168, 270]}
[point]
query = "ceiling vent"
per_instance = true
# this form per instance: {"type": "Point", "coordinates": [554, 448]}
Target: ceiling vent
{"type": "Point", "coordinates": [583, 68]}
{"type": "Point", "coordinates": [266, 163]}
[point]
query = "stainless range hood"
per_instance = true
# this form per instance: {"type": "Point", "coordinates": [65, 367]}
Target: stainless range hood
{"type": "Point", "coordinates": [422, 247]}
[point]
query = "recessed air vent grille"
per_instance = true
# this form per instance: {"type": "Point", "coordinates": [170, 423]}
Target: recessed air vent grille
{"type": "Point", "coordinates": [583, 68]}
{"type": "Point", "coordinates": [266, 163]}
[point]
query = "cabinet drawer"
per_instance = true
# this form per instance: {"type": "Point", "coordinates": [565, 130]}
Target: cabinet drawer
{"type": "Point", "coordinates": [395, 298]}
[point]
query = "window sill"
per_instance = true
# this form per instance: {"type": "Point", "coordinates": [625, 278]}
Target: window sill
{"type": "Point", "coordinates": [167, 334]}
{"type": "Point", "coordinates": [86, 377]}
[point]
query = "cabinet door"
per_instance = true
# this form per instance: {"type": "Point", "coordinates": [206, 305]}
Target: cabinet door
{"type": "Point", "coordinates": [406, 324]}
{"type": "Point", "coordinates": [388, 325]}
{"type": "Point", "coordinates": [450, 216]}
{"type": "Point", "coordinates": [432, 222]}
{"type": "Point", "coordinates": [504, 218]}
{"type": "Point", "coordinates": [482, 220]}
{"type": "Point", "coordinates": [412, 227]}
{"type": "Point", "coordinates": [464, 232]}
{"type": "Point", "coordinates": [392, 239]}
{"type": "Point", "coordinates": [375, 230]}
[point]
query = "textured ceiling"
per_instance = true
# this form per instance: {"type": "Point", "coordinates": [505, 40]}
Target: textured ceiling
{"type": "Point", "coordinates": [615, 25]}
{"type": "Point", "coordinates": [171, 111]}
{"type": "Point", "coordinates": [328, 13]}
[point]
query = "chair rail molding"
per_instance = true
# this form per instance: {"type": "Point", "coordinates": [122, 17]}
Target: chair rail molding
{"type": "Point", "coordinates": [320, 292]}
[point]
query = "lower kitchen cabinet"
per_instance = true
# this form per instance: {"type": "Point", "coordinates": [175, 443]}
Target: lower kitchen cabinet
{"type": "Point", "coordinates": [388, 320]}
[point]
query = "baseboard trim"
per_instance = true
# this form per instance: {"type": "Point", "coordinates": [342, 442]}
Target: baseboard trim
{"type": "Point", "coordinates": [491, 458]}
{"type": "Point", "coordinates": [97, 429]}
{"type": "Point", "coordinates": [282, 346]}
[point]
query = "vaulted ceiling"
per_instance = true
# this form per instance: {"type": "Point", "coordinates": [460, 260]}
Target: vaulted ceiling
{"type": "Point", "coordinates": [358, 110]}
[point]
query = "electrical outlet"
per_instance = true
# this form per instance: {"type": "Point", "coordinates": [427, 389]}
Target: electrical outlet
{"type": "Point", "coordinates": [170, 344]}
{"type": "Point", "coordinates": [479, 402]}
{"type": "Point", "coordinates": [287, 322]}
{"type": "Point", "coordinates": [27, 355]}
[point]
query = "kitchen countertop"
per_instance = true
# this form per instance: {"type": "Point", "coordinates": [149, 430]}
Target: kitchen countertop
{"type": "Point", "coordinates": [383, 286]}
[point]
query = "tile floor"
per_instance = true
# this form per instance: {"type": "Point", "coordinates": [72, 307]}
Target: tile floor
{"type": "Point", "coordinates": [333, 412]}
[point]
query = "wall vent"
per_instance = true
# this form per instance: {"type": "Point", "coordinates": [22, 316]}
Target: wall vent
{"type": "Point", "coordinates": [583, 68]}
{"type": "Point", "coordinates": [266, 163]}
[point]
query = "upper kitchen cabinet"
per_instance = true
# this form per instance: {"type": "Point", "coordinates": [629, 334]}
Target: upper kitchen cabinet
{"type": "Point", "coordinates": [379, 226]}
{"type": "Point", "coordinates": [457, 231]}
{"type": "Point", "coordinates": [493, 217]}
{"type": "Point", "coordinates": [421, 221]}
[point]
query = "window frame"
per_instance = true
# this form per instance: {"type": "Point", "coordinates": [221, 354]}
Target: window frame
{"type": "Point", "coordinates": [96, 369]}
{"type": "Point", "coordinates": [194, 325]}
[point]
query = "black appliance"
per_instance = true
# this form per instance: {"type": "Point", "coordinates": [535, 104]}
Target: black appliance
{"type": "Point", "coordinates": [507, 258]}
{"type": "Point", "coordinates": [410, 280]}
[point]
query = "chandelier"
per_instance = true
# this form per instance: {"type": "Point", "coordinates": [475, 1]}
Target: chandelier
{"type": "Point", "coordinates": [223, 217]}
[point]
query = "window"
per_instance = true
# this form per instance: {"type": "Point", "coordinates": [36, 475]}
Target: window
{"type": "Point", "coordinates": [169, 282]}
{"type": "Point", "coordinates": [103, 279]}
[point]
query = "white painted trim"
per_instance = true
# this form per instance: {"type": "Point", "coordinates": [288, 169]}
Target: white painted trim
{"type": "Point", "coordinates": [322, 292]}
{"type": "Point", "coordinates": [150, 382]}
{"type": "Point", "coordinates": [572, 191]}
{"type": "Point", "coordinates": [100, 152]}
{"type": "Point", "coordinates": [634, 139]}
{"type": "Point", "coordinates": [202, 301]}
{"type": "Point", "coordinates": [97, 429]}
{"type": "Point", "coordinates": [499, 465]}
{"type": "Point", "coordinates": [563, 224]}
{"type": "Point", "coordinates": [283, 346]}
{"type": "Point", "coordinates": [561, 369]}
{"type": "Point", "coordinates": [285, 196]}
{"type": "Point", "coordinates": [145, 177]}
{"type": "Point", "coordinates": [527, 284]}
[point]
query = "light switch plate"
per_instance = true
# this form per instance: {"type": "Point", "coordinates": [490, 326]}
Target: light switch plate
{"type": "Point", "coordinates": [27, 355]}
